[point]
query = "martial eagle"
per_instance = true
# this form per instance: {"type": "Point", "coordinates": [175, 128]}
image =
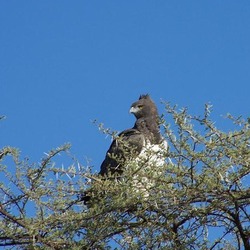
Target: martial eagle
{"type": "Point", "coordinates": [143, 144]}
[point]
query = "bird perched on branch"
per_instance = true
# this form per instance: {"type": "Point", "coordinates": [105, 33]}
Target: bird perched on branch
{"type": "Point", "coordinates": [132, 143]}
{"type": "Point", "coordinates": [142, 145]}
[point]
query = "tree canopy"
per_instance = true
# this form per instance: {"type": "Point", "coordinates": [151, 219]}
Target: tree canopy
{"type": "Point", "coordinates": [200, 201]}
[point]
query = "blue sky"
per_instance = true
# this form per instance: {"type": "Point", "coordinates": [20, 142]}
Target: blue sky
{"type": "Point", "coordinates": [65, 63]}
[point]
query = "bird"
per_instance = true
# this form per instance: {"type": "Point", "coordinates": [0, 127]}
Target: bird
{"type": "Point", "coordinates": [142, 145]}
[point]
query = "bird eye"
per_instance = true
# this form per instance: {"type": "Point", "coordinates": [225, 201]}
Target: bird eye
{"type": "Point", "coordinates": [140, 106]}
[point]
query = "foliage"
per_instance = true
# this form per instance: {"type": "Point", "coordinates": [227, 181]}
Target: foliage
{"type": "Point", "coordinates": [201, 202]}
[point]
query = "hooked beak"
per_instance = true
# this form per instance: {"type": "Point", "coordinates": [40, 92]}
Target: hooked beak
{"type": "Point", "coordinates": [133, 110]}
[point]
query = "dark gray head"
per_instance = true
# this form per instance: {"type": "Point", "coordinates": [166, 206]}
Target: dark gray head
{"type": "Point", "coordinates": [144, 107]}
{"type": "Point", "coordinates": [147, 118]}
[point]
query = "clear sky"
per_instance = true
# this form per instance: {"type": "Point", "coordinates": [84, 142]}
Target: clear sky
{"type": "Point", "coordinates": [65, 63]}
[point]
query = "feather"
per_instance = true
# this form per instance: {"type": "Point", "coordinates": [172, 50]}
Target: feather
{"type": "Point", "coordinates": [142, 145]}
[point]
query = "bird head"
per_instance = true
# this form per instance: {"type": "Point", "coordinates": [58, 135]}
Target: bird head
{"type": "Point", "coordinates": [143, 107]}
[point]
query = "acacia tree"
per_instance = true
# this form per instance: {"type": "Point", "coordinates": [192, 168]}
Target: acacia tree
{"type": "Point", "coordinates": [200, 201]}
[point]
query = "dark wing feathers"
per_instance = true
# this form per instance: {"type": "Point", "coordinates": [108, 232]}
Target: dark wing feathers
{"type": "Point", "coordinates": [128, 144]}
